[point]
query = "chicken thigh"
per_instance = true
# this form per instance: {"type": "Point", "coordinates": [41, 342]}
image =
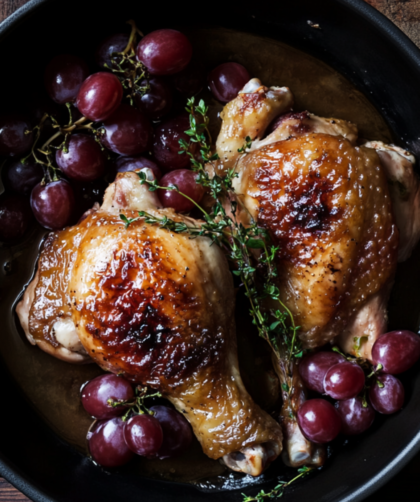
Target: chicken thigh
{"type": "Point", "coordinates": [158, 308]}
{"type": "Point", "coordinates": [327, 206]}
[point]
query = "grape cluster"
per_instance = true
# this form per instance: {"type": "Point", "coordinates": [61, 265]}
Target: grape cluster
{"type": "Point", "coordinates": [358, 395]}
{"type": "Point", "coordinates": [116, 119]}
{"type": "Point", "coordinates": [159, 432]}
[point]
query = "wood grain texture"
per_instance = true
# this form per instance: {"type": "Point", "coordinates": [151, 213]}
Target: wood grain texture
{"type": "Point", "coordinates": [7, 7]}
{"type": "Point", "coordinates": [8, 493]}
{"type": "Point", "coordinates": [404, 13]}
{"type": "Point", "coordinates": [406, 485]}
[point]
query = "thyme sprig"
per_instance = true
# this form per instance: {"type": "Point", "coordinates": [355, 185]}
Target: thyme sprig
{"type": "Point", "coordinates": [278, 490]}
{"type": "Point", "coordinates": [136, 405]}
{"type": "Point", "coordinates": [258, 277]}
{"type": "Point", "coordinates": [249, 248]}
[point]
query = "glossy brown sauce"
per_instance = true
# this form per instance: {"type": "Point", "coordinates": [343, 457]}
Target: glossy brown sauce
{"type": "Point", "coordinates": [52, 386]}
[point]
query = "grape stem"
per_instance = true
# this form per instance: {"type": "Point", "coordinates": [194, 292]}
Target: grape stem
{"type": "Point", "coordinates": [137, 405]}
{"type": "Point", "coordinates": [132, 40]}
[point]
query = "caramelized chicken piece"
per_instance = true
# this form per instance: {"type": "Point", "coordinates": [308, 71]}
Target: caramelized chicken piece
{"type": "Point", "coordinates": [249, 115]}
{"type": "Point", "coordinates": [44, 311]}
{"type": "Point", "coordinates": [158, 308]}
{"type": "Point", "coordinates": [328, 208]}
{"type": "Point", "coordinates": [405, 193]}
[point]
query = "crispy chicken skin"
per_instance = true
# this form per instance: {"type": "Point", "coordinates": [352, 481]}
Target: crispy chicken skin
{"type": "Point", "coordinates": [328, 208]}
{"type": "Point", "coordinates": [158, 308]}
{"type": "Point", "coordinates": [249, 115]}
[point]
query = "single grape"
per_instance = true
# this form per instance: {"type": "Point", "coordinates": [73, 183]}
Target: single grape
{"type": "Point", "coordinates": [15, 217]}
{"type": "Point", "coordinates": [107, 445]}
{"type": "Point", "coordinates": [109, 47]}
{"type": "Point", "coordinates": [319, 421]}
{"type": "Point", "coordinates": [226, 80]}
{"type": "Point", "coordinates": [143, 435]}
{"type": "Point", "coordinates": [97, 392]}
{"type": "Point", "coordinates": [344, 380]}
{"type": "Point", "coordinates": [166, 143]}
{"type": "Point", "coordinates": [63, 77]}
{"type": "Point", "coordinates": [125, 164]}
{"type": "Point", "coordinates": [82, 159]}
{"type": "Point", "coordinates": [387, 396]}
{"type": "Point", "coordinates": [313, 367]}
{"type": "Point", "coordinates": [127, 131]}
{"type": "Point", "coordinates": [355, 417]}
{"type": "Point", "coordinates": [177, 432]}
{"type": "Point", "coordinates": [53, 204]}
{"type": "Point", "coordinates": [99, 96]}
{"type": "Point", "coordinates": [397, 351]}
{"type": "Point", "coordinates": [164, 52]}
{"type": "Point", "coordinates": [157, 101]}
{"type": "Point", "coordinates": [16, 136]}
{"type": "Point", "coordinates": [21, 178]}
{"type": "Point", "coordinates": [191, 80]}
{"type": "Point", "coordinates": [185, 180]}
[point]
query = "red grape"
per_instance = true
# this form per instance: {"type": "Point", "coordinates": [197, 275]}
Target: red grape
{"type": "Point", "coordinates": [344, 380]}
{"type": "Point", "coordinates": [109, 47]}
{"type": "Point", "coordinates": [355, 417]}
{"type": "Point", "coordinates": [107, 445]}
{"type": "Point", "coordinates": [95, 395]}
{"type": "Point", "coordinates": [164, 52]}
{"type": "Point", "coordinates": [21, 178]}
{"type": "Point", "coordinates": [143, 435]}
{"type": "Point", "coordinates": [185, 180]}
{"type": "Point", "coordinates": [226, 80]}
{"type": "Point", "coordinates": [63, 77]}
{"type": "Point", "coordinates": [125, 164]}
{"type": "Point", "coordinates": [313, 367]}
{"type": "Point", "coordinates": [16, 136]}
{"type": "Point", "coordinates": [389, 398]}
{"type": "Point", "coordinates": [191, 80]}
{"type": "Point", "coordinates": [397, 351]}
{"type": "Point", "coordinates": [319, 421]}
{"type": "Point", "coordinates": [127, 131]}
{"type": "Point", "coordinates": [15, 217]}
{"type": "Point", "coordinates": [83, 158]}
{"type": "Point", "coordinates": [99, 96]}
{"type": "Point", "coordinates": [166, 143]}
{"type": "Point", "coordinates": [177, 432]}
{"type": "Point", "coordinates": [157, 101]}
{"type": "Point", "coordinates": [53, 204]}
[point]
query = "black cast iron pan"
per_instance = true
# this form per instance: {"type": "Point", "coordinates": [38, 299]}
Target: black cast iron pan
{"type": "Point", "coordinates": [355, 40]}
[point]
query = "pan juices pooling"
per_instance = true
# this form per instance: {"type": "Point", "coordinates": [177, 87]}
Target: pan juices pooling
{"type": "Point", "coordinates": [310, 221]}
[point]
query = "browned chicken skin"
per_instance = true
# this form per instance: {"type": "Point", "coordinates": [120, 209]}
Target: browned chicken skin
{"type": "Point", "coordinates": [158, 308]}
{"type": "Point", "coordinates": [327, 206]}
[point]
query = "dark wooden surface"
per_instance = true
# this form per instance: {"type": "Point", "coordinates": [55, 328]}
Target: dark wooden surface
{"type": "Point", "coordinates": [406, 485]}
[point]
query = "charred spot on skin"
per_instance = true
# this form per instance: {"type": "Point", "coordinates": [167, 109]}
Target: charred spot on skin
{"type": "Point", "coordinates": [132, 319]}
{"type": "Point", "coordinates": [251, 100]}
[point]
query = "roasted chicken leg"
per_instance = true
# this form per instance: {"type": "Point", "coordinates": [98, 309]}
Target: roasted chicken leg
{"type": "Point", "coordinates": [158, 308]}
